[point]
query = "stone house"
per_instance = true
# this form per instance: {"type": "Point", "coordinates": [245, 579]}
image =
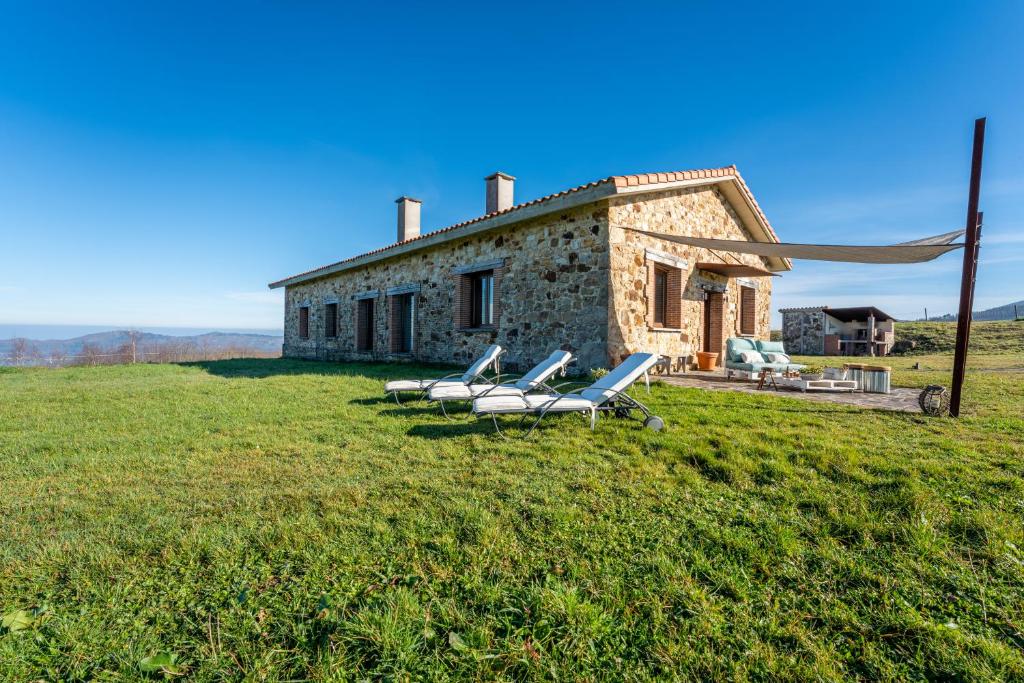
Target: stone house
{"type": "Point", "coordinates": [855, 331]}
{"type": "Point", "coordinates": [564, 271]}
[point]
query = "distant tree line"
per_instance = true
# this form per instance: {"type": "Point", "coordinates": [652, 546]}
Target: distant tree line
{"type": "Point", "coordinates": [24, 352]}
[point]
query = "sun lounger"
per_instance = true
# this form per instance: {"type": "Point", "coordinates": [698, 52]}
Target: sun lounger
{"type": "Point", "coordinates": [606, 394]}
{"type": "Point", "coordinates": [475, 372]}
{"type": "Point", "coordinates": [534, 380]}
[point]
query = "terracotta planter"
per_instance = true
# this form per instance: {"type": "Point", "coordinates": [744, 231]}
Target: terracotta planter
{"type": "Point", "coordinates": [707, 360]}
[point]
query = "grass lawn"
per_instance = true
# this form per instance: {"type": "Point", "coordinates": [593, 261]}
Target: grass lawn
{"type": "Point", "coordinates": [280, 520]}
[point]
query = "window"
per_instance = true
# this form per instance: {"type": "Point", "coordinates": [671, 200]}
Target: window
{"type": "Point", "coordinates": [660, 297]}
{"type": "Point", "coordinates": [331, 320]}
{"type": "Point", "coordinates": [403, 314]}
{"type": "Point", "coordinates": [478, 296]}
{"type": "Point", "coordinates": [364, 325]}
{"type": "Point", "coordinates": [304, 322]}
{"type": "Point", "coordinates": [664, 296]}
{"type": "Point", "coordinates": [748, 310]}
{"type": "Point", "coordinates": [482, 313]}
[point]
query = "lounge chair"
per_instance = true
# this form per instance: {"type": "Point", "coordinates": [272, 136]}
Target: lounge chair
{"type": "Point", "coordinates": [606, 394]}
{"type": "Point", "coordinates": [475, 372]}
{"type": "Point", "coordinates": [534, 380]}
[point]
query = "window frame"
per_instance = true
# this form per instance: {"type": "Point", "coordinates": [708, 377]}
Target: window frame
{"type": "Point", "coordinates": [403, 322]}
{"type": "Point", "coordinates": [481, 299]}
{"type": "Point", "coordinates": [331, 316]}
{"type": "Point", "coordinates": [365, 326]}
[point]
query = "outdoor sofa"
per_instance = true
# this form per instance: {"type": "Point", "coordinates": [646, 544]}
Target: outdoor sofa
{"type": "Point", "coordinates": [736, 365]}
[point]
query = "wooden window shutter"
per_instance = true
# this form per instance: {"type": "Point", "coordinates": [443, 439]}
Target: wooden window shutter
{"type": "Point", "coordinates": [748, 310]}
{"type": "Point", "coordinates": [674, 305]}
{"type": "Point", "coordinates": [650, 293]}
{"type": "Point", "coordinates": [715, 322]}
{"type": "Point", "coordinates": [463, 301]}
{"type": "Point", "coordinates": [304, 322]}
{"type": "Point", "coordinates": [660, 297]}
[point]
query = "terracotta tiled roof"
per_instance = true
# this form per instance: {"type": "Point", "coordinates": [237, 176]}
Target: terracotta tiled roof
{"type": "Point", "coordinates": [710, 174]}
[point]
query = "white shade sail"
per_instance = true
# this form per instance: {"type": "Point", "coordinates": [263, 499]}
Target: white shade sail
{"type": "Point", "coordinates": [916, 251]}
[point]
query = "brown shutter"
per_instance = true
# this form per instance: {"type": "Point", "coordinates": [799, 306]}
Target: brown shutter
{"type": "Point", "coordinates": [660, 297]}
{"type": "Point", "coordinates": [463, 301]}
{"type": "Point", "coordinates": [651, 286]}
{"type": "Point", "coordinates": [674, 305]}
{"type": "Point", "coordinates": [748, 310]}
{"type": "Point", "coordinates": [304, 322]}
{"type": "Point", "coordinates": [716, 321]}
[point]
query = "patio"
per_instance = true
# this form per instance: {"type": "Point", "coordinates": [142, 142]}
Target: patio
{"type": "Point", "coordinates": [901, 399]}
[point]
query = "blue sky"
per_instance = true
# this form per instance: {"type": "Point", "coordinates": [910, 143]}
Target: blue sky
{"type": "Point", "coordinates": [160, 163]}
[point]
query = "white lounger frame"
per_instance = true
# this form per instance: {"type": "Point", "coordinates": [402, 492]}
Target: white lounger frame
{"type": "Point", "coordinates": [510, 381]}
{"type": "Point", "coordinates": [620, 403]}
{"type": "Point", "coordinates": [422, 391]}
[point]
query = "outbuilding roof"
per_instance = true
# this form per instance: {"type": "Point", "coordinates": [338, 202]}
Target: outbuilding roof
{"type": "Point", "coordinates": [846, 315]}
{"type": "Point", "coordinates": [727, 178]}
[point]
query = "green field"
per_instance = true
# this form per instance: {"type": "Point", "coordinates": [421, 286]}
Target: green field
{"type": "Point", "coordinates": [280, 520]}
{"type": "Point", "coordinates": [1003, 336]}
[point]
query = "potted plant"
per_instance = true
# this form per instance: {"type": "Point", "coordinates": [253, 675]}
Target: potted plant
{"type": "Point", "coordinates": [811, 372]}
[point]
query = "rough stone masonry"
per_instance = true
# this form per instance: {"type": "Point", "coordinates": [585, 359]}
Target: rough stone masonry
{"type": "Point", "coordinates": [572, 278]}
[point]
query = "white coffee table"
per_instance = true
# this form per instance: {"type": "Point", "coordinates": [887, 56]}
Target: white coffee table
{"type": "Point", "coordinates": [817, 384]}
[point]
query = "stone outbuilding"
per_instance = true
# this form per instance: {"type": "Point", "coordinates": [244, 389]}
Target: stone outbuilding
{"type": "Point", "coordinates": [825, 331]}
{"type": "Point", "coordinates": [565, 271]}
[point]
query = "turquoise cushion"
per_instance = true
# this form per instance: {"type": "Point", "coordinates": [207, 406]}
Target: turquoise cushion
{"type": "Point", "coordinates": [733, 346]}
{"type": "Point", "coordinates": [770, 346]}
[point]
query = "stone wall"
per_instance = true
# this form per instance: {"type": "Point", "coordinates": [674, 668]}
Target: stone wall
{"type": "Point", "coordinates": [803, 332]}
{"type": "Point", "coordinates": [553, 295]}
{"type": "Point", "coordinates": [701, 212]}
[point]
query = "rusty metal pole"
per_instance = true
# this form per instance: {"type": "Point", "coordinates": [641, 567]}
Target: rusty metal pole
{"type": "Point", "coordinates": [970, 269]}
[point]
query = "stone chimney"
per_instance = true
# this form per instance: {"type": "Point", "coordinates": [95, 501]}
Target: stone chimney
{"type": "Point", "coordinates": [499, 191]}
{"type": "Point", "coordinates": [408, 218]}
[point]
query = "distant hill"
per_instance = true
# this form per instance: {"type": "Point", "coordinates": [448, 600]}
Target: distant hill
{"type": "Point", "coordinates": [1007, 312]}
{"type": "Point", "coordinates": [147, 344]}
{"type": "Point", "coordinates": [987, 336]}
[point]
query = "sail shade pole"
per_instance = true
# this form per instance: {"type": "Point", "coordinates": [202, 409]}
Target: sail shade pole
{"type": "Point", "coordinates": [970, 270]}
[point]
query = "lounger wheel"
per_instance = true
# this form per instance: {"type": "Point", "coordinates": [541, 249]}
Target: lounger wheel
{"type": "Point", "coordinates": [654, 423]}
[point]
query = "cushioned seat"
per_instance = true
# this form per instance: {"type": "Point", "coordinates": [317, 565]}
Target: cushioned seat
{"type": "Point", "coordinates": [449, 392]}
{"type": "Point", "coordinates": [519, 404]}
{"type": "Point", "coordinates": [419, 384]}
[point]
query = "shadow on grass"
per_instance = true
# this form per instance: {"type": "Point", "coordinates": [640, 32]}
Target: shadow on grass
{"type": "Point", "coordinates": [453, 429]}
{"type": "Point", "coordinates": [259, 368]}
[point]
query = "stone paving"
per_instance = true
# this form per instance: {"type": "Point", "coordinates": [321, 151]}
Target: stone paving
{"type": "Point", "coordinates": [901, 399]}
